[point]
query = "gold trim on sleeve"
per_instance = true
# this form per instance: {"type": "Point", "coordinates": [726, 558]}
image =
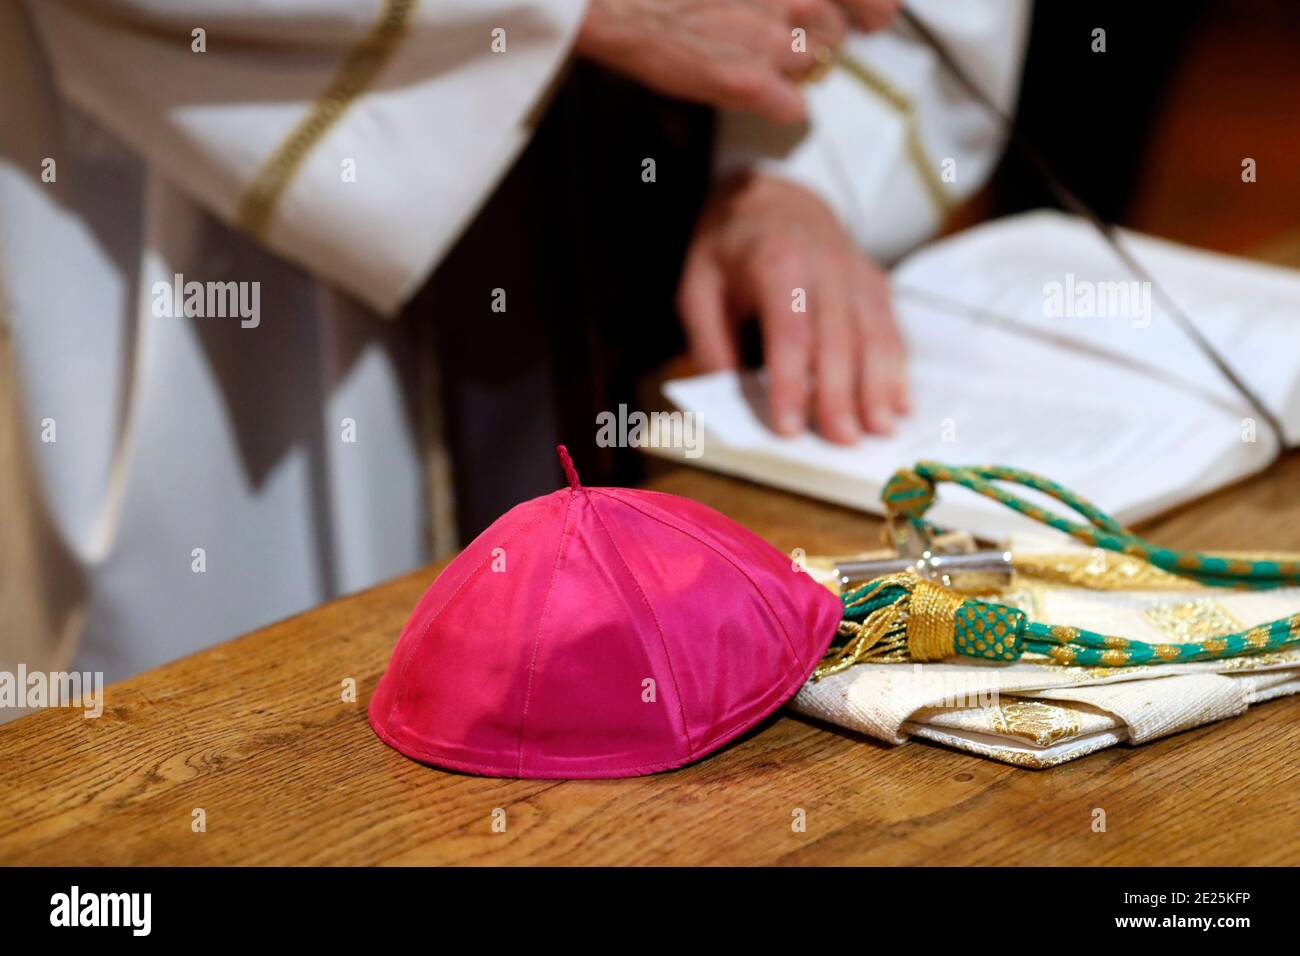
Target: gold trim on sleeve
{"type": "Point", "coordinates": [357, 71]}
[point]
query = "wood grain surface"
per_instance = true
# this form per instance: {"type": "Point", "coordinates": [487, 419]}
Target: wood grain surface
{"type": "Point", "coordinates": [254, 733]}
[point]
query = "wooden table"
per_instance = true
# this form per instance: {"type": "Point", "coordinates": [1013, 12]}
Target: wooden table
{"type": "Point", "coordinates": [254, 732]}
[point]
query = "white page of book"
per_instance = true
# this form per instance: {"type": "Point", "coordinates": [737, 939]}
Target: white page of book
{"type": "Point", "coordinates": [1249, 311]}
{"type": "Point", "coordinates": [1132, 444]}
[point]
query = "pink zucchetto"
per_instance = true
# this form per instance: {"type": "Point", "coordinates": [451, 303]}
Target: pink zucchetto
{"type": "Point", "coordinates": [600, 632]}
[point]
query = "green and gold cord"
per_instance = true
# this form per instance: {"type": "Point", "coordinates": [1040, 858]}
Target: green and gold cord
{"type": "Point", "coordinates": [903, 616]}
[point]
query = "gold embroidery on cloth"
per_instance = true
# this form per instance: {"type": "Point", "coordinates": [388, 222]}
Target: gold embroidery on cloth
{"type": "Point", "coordinates": [357, 71]}
{"type": "Point", "coordinates": [1043, 723]}
{"type": "Point", "coordinates": [1103, 570]}
{"type": "Point", "coordinates": [1031, 761]}
{"type": "Point", "coordinates": [1193, 621]}
{"type": "Point", "coordinates": [1257, 661]}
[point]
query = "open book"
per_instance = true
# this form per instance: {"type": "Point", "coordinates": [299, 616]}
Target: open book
{"type": "Point", "coordinates": [1030, 346]}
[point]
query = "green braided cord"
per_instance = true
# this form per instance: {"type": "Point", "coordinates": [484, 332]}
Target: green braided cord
{"type": "Point", "coordinates": [993, 631]}
{"type": "Point", "coordinates": [1048, 487]}
{"type": "Point", "coordinates": [909, 494]}
{"type": "Point", "coordinates": [1069, 645]}
{"type": "Point", "coordinates": [860, 612]}
{"type": "Point", "coordinates": [988, 630]}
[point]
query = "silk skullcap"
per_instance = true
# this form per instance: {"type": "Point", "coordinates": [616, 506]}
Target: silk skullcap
{"type": "Point", "coordinates": [600, 632]}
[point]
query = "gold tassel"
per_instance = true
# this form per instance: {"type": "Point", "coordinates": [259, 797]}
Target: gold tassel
{"type": "Point", "coordinates": [917, 626]}
{"type": "Point", "coordinates": [881, 637]}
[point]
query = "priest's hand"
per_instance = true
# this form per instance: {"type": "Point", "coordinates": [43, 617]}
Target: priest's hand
{"type": "Point", "coordinates": [869, 15]}
{"type": "Point", "coordinates": [769, 247]}
{"type": "Point", "coordinates": [731, 54]}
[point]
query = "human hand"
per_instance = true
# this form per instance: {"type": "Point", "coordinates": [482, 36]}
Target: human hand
{"type": "Point", "coordinates": [869, 15]}
{"type": "Point", "coordinates": [731, 54]}
{"type": "Point", "coordinates": [760, 241]}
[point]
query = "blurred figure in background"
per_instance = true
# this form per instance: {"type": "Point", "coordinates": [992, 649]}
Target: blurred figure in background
{"type": "Point", "coordinates": [893, 144]}
{"type": "Point", "coordinates": [208, 209]}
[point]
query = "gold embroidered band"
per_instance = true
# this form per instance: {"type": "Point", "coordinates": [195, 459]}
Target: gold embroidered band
{"type": "Point", "coordinates": [357, 71]}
